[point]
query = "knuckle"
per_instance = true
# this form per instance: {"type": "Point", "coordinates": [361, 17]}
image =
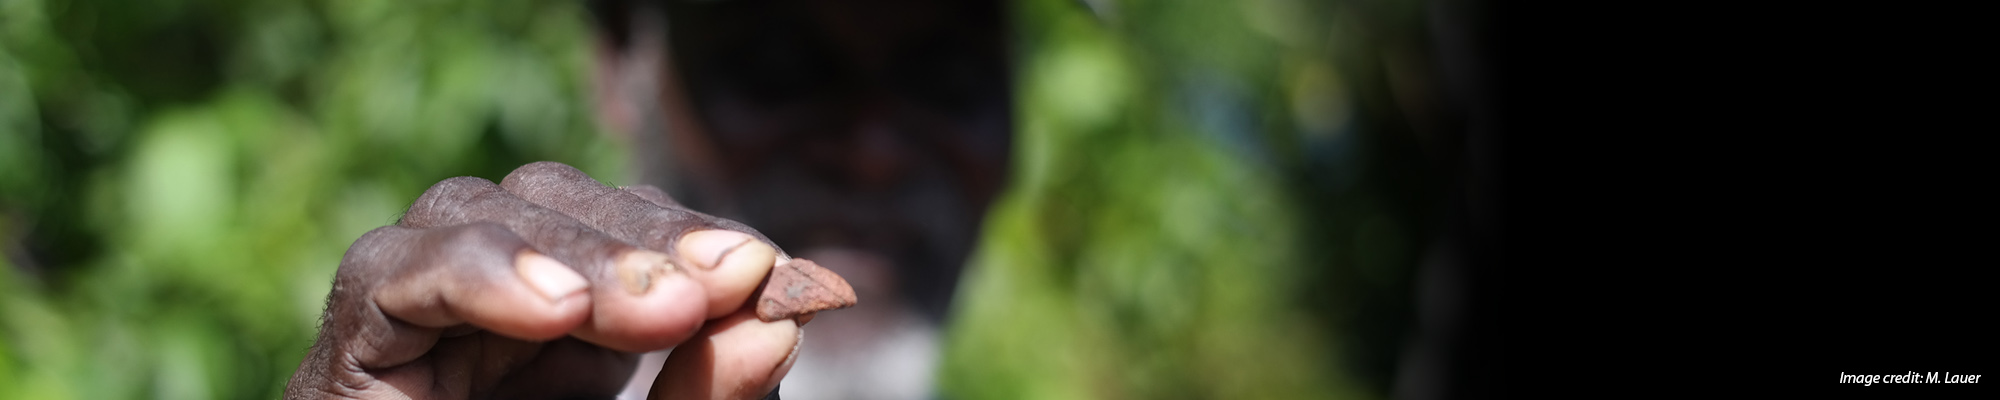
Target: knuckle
{"type": "Point", "coordinates": [656, 196]}
{"type": "Point", "coordinates": [540, 174]}
{"type": "Point", "coordinates": [374, 256]}
{"type": "Point", "coordinates": [541, 169]}
{"type": "Point", "coordinates": [367, 256]}
{"type": "Point", "coordinates": [437, 204]}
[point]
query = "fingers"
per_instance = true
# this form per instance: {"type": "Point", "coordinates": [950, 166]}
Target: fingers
{"type": "Point", "coordinates": [729, 264]}
{"type": "Point", "coordinates": [727, 257]}
{"type": "Point", "coordinates": [568, 369]}
{"type": "Point", "coordinates": [736, 357]}
{"type": "Point", "coordinates": [479, 274]}
{"type": "Point", "coordinates": [397, 287]}
{"type": "Point", "coordinates": [616, 212]}
{"type": "Point", "coordinates": [640, 301]}
{"type": "Point", "coordinates": [655, 195]}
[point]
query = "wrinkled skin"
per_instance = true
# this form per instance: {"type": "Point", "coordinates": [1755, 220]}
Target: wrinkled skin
{"type": "Point", "coordinates": [517, 290]}
{"type": "Point", "coordinates": [882, 138]}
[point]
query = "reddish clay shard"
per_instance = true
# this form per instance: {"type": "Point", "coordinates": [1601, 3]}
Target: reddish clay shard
{"type": "Point", "coordinates": [802, 287]}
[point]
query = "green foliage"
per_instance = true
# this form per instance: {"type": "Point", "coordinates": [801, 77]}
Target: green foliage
{"type": "Point", "coordinates": [179, 179]}
{"type": "Point", "coordinates": [1177, 226]}
{"type": "Point", "coordinates": [1210, 199]}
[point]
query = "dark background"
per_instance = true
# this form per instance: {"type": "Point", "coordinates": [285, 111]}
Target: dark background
{"type": "Point", "coordinates": [1637, 197]}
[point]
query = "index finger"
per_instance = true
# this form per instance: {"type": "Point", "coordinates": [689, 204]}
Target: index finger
{"type": "Point", "coordinates": [729, 258]}
{"type": "Point", "coordinates": [640, 301]}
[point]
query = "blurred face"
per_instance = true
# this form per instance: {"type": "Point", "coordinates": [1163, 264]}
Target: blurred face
{"type": "Point", "coordinates": [868, 135]}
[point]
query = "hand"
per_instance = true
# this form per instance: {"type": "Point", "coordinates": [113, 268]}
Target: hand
{"type": "Point", "coordinates": [548, 285]}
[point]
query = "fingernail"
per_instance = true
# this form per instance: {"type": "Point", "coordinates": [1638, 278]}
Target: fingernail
{"type": "Point", "coordinates": [640, 269]}
{"type": "Point", "coordinates": [713, 249]}
{"type": "Point", "coordinates": [548, 276]}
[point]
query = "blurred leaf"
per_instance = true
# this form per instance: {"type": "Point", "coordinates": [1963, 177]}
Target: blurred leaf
{"type": "Point", "coordinates": [1169, 233]}
{"type": "Point", "coordinates": [225, 176]}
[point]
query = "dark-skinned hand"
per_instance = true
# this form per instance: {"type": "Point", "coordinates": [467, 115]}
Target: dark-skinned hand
{"type": "Point", "coordinates": [548, 285]}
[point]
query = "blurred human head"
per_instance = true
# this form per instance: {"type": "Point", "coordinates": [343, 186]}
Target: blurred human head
{"type": "Point", "coordinates": [872, 132]}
